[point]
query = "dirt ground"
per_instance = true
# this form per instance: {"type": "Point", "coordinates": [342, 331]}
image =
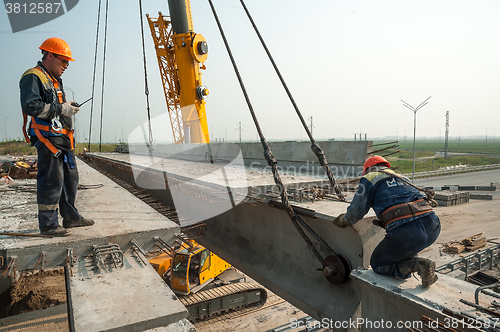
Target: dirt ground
{"type": "Point", "coordinates": [37, 291]}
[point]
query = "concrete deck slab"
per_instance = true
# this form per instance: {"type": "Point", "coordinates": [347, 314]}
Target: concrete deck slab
{"type": "Point", "coordinates": [55, 318]}
{"type": "Point", "coordinates": [181, 326]}
{"type": "Point", "coordinates": [131, 298]}
{"type": "Point", "coordinates": [119, 217]}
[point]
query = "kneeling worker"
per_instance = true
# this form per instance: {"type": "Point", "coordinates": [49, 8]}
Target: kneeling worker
{"type": "Point", "coordinates": [407, 217]}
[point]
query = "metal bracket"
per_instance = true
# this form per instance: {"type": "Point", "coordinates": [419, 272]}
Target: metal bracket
{"type": "Point", "coordinates": [139, 250]}
{"type": "Point", "coordinates": [107, 254]}
{"type": "Point", "coordinates": [70, 263]}
{"type": "Point", "coordinates": [11, 267]}
{"type": "Point", "coordinates": [42, 255]}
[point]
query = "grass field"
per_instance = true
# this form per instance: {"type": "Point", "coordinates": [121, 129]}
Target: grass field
{"type": "Point", "coordinates": [492, 146]}
{"type": "Point", "coordinates": [402, 159]}
{"type": "Point", "coordinates": [20, 148]}
{"type": "Point", "coordinates": [431, 164]}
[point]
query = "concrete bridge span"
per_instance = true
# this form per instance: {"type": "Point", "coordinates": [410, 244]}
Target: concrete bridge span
{"type": "Point", "coordinates": [251, 232]}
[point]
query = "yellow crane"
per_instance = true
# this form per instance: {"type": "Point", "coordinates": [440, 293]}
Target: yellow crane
{"type": "Point", "coordinates": [180, 51]}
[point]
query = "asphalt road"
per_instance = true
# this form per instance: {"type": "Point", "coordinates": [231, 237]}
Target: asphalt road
{"type": "Point", "coordinates": [482, 178]}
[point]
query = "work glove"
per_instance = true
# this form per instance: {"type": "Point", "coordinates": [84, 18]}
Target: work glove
{"type": "Point", "coordinates": [340, 221]}
{"type": "Point", "coordinates": [68, 109]}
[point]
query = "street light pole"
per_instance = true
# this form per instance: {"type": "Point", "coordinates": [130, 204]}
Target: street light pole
{"type": "Point", "coordinates": [414, 110]}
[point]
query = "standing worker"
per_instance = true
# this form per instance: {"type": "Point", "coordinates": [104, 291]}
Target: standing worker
{"type": "Point", "coordinates": [406, 215]}
{"type": "Point", "coordinates": [51, 132]}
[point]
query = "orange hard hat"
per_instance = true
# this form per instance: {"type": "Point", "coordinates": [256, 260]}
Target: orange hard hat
{"type": "Point", "coordinates": [57, 46]}
{"type": "Point", "coordinates": [374, 160]}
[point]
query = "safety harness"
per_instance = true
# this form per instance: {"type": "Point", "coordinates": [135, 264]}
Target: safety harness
{"type": "Point", "coordinates": [43, 129]}
{"type": "Point", "coordinates": [406, 210]}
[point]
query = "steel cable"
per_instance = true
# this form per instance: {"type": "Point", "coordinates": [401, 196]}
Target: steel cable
{"type": "Point", "coordinates": [95, 64]}
{"type": "Point", "coordinates": [271, 160]}
{"type": "Point", "coordinates": [103, 72]}
{"type": "Point", "coordinates": [146, 88]}
{"type": "Point", "coordinates": [314, 145]}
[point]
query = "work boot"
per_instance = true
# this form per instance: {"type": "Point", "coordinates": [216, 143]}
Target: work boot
{"type": "Point", "coordinates": [82, 222]}
{"type": "Point", "coordinates": [55, 231]}
{"type": "Point", "coordinates": [423, 266]}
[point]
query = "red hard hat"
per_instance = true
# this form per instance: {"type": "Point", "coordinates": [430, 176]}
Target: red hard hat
{"type": "Point", "coordinates": [57, 46]}
{"type": "Point", "coordinates": [374, 160]}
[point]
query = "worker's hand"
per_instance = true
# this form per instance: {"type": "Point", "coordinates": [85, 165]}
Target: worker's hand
{"type": "Point", "coordinates": [68, 109]}
{"type": "Point", "coordinates": [340, 221]}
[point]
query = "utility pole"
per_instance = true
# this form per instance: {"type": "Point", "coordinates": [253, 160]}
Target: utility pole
{"type": "Point", "coordinates": [414, 110]}
{"type": "Point", "coordinates": [311, 118]}
{"type": "Point", "coordinates": [486, 142]}
{"type": "Point", "coordinates": [239, 128]}
{"type": "Point", "coordinates": [5, 127]}
{"type": "Point", "coordinates": [446, 134]}
{"type": "Point", "coordinates": [122, 132]}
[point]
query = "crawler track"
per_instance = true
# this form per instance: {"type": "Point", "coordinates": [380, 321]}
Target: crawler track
{"type": "Point", "coordinates": [223, 300]}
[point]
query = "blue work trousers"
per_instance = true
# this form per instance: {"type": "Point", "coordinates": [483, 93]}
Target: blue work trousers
{"type": "Point", "coordinates": [404, 242]}
{"type": "Point", "coordinates": [57, 184]}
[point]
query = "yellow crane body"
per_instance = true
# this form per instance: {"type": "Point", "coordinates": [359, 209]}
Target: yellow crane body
{"type": "Point", "coordinates": [180, 52]}
{"type": "Point", "coordinates": [188, 266]}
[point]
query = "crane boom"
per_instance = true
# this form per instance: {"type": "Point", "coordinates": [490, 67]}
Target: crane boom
{"type": "Point", "coordinates": [179, 52]}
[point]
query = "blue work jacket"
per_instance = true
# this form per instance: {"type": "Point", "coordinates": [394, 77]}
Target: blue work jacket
{"type": "Point", "coordinates": [37, 100]}
{"type": "Point", "coordinates": [381, 191]}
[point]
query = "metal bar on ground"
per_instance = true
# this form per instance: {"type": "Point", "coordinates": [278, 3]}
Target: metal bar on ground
{"type": "Point", "coordinates": [71, 320]}
{"type": "Point", "coordinates": [482, 288]}
{"type": "Point", "coordinates": [481, 308]}
{"type": "Point", "coordinates": [27, 235]}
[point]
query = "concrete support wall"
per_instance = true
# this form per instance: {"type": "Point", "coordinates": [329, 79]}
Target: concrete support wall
{"type": "Point", "coordinates": [344, 158]}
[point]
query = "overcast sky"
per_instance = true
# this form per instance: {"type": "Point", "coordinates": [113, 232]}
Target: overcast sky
{"type": "Point", "coordinates": [348, 64]}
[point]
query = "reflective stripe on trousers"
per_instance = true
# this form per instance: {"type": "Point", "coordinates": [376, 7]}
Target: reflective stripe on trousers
{"type": "Point", "coordinates": [57, 184]}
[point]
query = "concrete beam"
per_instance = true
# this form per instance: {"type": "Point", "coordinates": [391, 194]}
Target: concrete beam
{"type": "Point", "coordinates": [344, 157]}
